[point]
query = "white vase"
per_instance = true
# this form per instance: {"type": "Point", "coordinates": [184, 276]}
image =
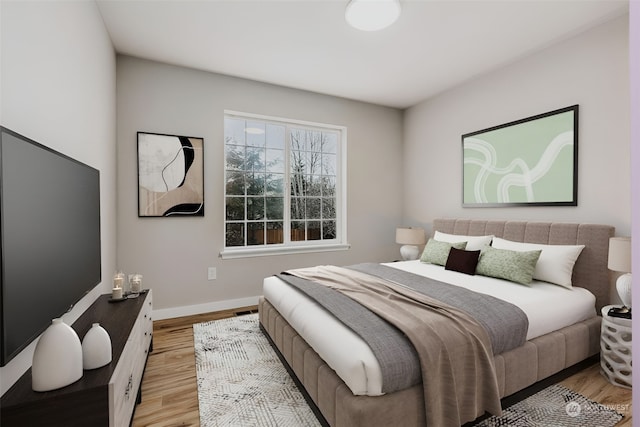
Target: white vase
{"type": "Point", "coordinates": [57, 359]}
{"type": "Point", "coordinates": [96, 348]}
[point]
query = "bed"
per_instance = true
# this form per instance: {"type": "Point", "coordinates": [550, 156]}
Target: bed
{"type": "Point", "coordinates": [358, 400]}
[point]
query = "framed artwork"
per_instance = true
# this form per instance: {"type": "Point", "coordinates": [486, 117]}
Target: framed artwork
{"type": "Point", "coordinates": [529, 162]}
{"type": "Point", "coordinates": [170, 175]}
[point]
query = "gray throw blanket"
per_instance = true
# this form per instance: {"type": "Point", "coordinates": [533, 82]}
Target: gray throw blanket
{"type": "Point", "coordinates": [506, 324]}
{"type": "Point", "coordinates": [458, 384]}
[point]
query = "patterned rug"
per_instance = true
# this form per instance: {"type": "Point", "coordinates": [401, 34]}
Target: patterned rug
{"type": "Point", "coordinates": [241, 382]}
{"type": "Point", "coordinates": [555, 406]}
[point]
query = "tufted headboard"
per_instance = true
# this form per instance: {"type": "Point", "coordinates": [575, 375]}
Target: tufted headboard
{"type": "Point", "coordinates": [590, 271]}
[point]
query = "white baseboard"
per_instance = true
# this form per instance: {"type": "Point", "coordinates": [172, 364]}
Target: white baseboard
{"type": "Point", "coordinates": [189, 310]}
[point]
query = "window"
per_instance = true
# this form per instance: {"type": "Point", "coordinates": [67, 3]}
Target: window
{"type": "Point", "coordinates": [283, 185]}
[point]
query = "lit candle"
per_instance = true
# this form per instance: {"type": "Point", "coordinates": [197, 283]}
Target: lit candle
{"type": "Point", "coordinates": [118, 280]}
{"type": "Point", "coordinates": [116, 293]}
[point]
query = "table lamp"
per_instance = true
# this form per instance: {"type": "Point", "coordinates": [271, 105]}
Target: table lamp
{"type": "Point", "coordinates": [620, 260]}
{"type": "Point", "coordinates": [410, 238]}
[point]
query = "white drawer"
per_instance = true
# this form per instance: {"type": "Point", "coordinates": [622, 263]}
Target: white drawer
{"type": "Point", "coordinates": [127, 376]}
{"type": "Point", "coordinates": [122, 397]}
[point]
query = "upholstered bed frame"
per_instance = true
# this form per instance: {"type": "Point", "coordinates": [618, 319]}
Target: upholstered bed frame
{"type": "Point", "coordinates": [517, 369]}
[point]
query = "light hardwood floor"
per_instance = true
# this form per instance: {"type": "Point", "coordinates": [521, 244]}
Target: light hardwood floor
{"type": "Point", "coordinates": [170, 394]}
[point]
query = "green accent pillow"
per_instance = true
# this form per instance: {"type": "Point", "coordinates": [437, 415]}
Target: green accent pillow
{"type": "Point", "coordinates": [436, 252]}
{"type": "Point", "coordinates": [514, 266]}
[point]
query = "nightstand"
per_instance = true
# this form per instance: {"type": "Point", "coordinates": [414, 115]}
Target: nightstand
{"type": "Point", "coordinates": [615, 349]}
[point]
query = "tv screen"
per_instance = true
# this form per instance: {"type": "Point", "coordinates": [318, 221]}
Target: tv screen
{"type": "Point", "coordinates": [50, 224]}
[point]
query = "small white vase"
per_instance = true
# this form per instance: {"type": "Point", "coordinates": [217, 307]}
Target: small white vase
{"type": "Point", "coordinates": [96, 348]}
{"type": "Point", "coordinates": [57, 359]}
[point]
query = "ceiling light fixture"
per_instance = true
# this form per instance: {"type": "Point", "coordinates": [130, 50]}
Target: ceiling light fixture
{"type": "Point", "coordinates": [372, 15]}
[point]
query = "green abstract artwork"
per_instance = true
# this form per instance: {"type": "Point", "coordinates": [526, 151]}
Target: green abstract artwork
{"type": "Point", "coordinates": [532, 161]}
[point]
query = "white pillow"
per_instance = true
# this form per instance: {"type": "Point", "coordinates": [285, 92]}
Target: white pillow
{"type": "Point", "coordinates": [555, 264]}
{"type": "Point", "coordinates": [474, 243]}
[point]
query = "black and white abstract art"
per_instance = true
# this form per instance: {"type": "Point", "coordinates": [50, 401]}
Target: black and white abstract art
{"type": "Point", "coordinates": [170, 175]}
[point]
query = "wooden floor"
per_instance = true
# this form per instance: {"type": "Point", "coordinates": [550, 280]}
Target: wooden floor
{"type": "Point", "coordinates": [170, 394]}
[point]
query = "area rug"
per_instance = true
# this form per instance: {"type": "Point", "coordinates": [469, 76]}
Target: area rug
{"type": "Point", "coordinates": [555, 406]}
{"type": "Point", "coordinates": [241, 381]}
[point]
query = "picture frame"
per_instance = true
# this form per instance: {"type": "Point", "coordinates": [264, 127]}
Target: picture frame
{"type": "Point", "coordinates": [170, 175]}
{"type": "Point", "coordinates": [528, 162]}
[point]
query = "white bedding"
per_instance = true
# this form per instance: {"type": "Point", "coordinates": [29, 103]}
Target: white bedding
{"type": "Point", "coordinates": [548, 308]}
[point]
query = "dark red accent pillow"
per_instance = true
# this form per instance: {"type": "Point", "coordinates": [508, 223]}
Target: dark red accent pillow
{"type": "Point", "coordinates": [462, 261]}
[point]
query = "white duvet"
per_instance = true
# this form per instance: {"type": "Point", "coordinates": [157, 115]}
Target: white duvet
{"type": "Point", "coordinates": [548, 308]}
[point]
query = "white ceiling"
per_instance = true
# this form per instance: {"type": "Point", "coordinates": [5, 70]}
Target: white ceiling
{"type": "Point", "coordinates": [306, 44]}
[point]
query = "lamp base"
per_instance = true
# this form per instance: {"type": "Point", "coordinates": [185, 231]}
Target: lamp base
{"type": "Point", "coordinates": [409, 252]}
{"type": "Point", "coordinates": [623, 285]}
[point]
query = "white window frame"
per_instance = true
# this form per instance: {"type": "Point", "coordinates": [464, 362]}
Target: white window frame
{"type": "Point", "coordinates": [294, 247]}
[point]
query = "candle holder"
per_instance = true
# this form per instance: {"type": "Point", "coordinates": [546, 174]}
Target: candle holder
{"type": "Point", "coordinates": [118, 292]}
{"type": "Point", "coordinates": [135, 283]}
{"type": "Point", "coordinates": [118, 280]}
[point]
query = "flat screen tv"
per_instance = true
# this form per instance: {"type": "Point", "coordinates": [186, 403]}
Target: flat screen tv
{"type": "Point", "coordinates": [50, 225]}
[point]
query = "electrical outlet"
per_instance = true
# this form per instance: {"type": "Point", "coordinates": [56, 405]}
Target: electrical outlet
{"type": "Point", "coordinates": [212, 273]}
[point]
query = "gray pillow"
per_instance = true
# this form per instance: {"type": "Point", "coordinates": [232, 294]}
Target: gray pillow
{"type": "Point", "coordinates": [436, 252]}
{"type": "Point", "coordinates": [514, 266]}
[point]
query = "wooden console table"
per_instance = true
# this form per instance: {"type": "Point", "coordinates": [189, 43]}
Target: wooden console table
{"type": "Point", "coordinates": [102, 397]}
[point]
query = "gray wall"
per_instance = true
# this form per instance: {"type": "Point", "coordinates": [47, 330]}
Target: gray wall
{"type": "Point", "coordinates": [173, 253]}
{"type": "Point", "coordinates": [591, 70]}
{"type": "Point", "coordinates": [58, 88]}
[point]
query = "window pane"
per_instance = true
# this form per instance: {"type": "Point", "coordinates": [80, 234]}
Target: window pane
{"type": "Point", "coordinates": [328, 208]}
{"type": "Point", "coordinates": [298, 141]}
{"type": "Point", "coordinates": [234, 131]}
{"type": "Point", "coordinates": [255, 233]}
{"type": "Point", "coordinates": [275, 185]}
{"type": "Point", "coordinates": [328, 185]}
{"type": "Point", "coordinates": [328, 230]}
{"type": "Point", "coordinates": [308, 139]}
{"type": "Point", "coordinates": [234, 157]}
{"type": "Point", "coordinates": [275, 161]}
{"type": "Point", "coordinates": [329, 164]}
{"type": "Point", "coordinates": [314, 186]}
{"type": "Point", "coordinates": [255, 208]}
{"type": "Point", "coordinates": [298, 161]}
{"type": "Point", "coordinates": [313, 230]}
{"type": "Point", "coordinates": [298, 184]}
{"type": "Point", "coordinates": [255, 159]}
{"type": "Point", "coordinates": [275, 207]}
{"type": "Point", "coordinates": [255, 133]}
{"type": "Point", "coordinates": [235, 183]}
{"type": "Point", "coordinates": [275, 136]}
{"type": "Point", "coordinates": [330, 142]}
{"type": "Point", "coordinates": [313, 208]}
{"type": "Point", "coordinates": [234, 234]}
{"type": "Point", "coordinates": [235, 208]}
{"type": "Point", "coordinates": [255, 183]}
{"type": "Point", "coordinates": [275, 232]}
{"type": "Point", "coordinates": [298, 208]}
{"type": "Point", "coordinates": [314, 163]}
{"type": "Point", "coordinates": [297, 231]}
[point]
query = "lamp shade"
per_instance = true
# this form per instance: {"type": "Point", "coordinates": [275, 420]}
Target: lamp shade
{"type": "Point", "coordinates": [620, 254]}
{"type": "Point", "coordinates": [410, 236]}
